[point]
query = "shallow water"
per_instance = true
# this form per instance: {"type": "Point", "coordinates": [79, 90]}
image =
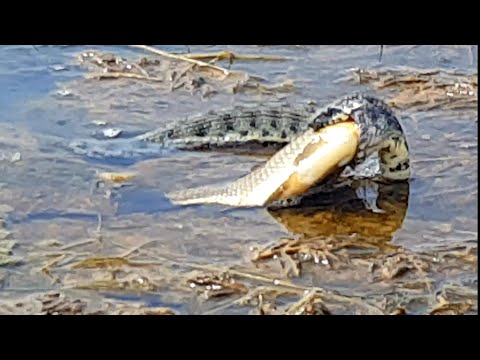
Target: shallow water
{"type": "Point", "coordinates": [51, 193]}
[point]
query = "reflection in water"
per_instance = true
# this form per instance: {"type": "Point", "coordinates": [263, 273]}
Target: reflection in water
{"type": "Point", "coordinates": [340, 212]}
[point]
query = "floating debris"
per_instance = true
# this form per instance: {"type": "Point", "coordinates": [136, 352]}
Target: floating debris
{"type": "Point", "coordinates": [6, 246]}
{"type": "Point", "coordinates": [13, 158]}
{"type": "Point", "coordinates": [112, 133]}
{"type": "Point", "coordinates": [424, 90]}
{"type": "Point", "coordinates": [174, 72]}
{"type": "Point", "coordinates": [55, 303]}
{"type": "Point", "coordinates": [8, 260]}
{"type": "Point", "coordinates": [116, 177]}
{"type": "Point", "coordinates": [99, 122]}
{"type": "Point", "coordinates": [445, 307]}
{"type": "Point", "coordinates": [64, 93]}
{"type": "Point", "coordinates": [216, 286]}
{"type": "Point", "coordinates": [101, 262]}
{"type": "Point", "coordinates": [58, 67]}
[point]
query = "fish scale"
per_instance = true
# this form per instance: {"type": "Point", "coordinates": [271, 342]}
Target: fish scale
{"type": "Point", "coordinates": [262, 128]}
{"type": "Point", "coordinates": [307, 159]}
{"type": "Point", "coordinates": [265, 184]}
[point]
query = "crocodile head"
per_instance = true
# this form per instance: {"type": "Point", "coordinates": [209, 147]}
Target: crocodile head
{"type": "Point", "coordinates": [380, 133]}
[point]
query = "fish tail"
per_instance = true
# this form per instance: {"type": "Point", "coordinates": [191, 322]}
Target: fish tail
{"type": "Point", "coordinates": [199, 195]}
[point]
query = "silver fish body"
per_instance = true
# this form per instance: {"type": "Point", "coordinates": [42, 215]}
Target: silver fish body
{"type": "Point", "coordinates": [300, 165]}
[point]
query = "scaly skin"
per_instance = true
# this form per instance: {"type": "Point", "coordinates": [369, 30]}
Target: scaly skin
{"type": "Point", "coordinates": [291, 171]}
{"type": "Point", "coordinates": [379, 131]}
{"type": "Point", "coordinates": [268, 128]}
{"type": "Point", "coordinates": [259, 129]}
{"type": "Point", "coordinates": [263, 124]}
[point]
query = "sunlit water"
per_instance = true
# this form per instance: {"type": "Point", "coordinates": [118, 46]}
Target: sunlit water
{"type": "Point", "coordinates": [51, 193]}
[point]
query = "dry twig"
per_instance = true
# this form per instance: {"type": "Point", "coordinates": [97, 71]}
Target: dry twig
{"type": "Point", "coordinates": [227, 55]}
{"type": "Point", "coordinates": [116, 75]}
{"type": "Point", "coordinates": [225, 72]}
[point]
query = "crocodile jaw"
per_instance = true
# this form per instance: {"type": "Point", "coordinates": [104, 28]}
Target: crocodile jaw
{"type": "Point", "coordinates": [303, 163]}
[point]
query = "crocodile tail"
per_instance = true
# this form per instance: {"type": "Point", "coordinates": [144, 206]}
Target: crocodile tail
{"type": "Point", "coordinates": [118, 148]}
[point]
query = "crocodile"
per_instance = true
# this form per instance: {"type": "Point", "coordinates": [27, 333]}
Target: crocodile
{"type": "Point", "coordinates": [346, 132]}
{"type": "Point", "coordinates": [260, 129]}
{"type": "Point", "coordinates": [270, 129]}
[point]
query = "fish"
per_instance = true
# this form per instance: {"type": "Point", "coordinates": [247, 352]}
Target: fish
{"type": "Point", "coordinates": [302, 164]}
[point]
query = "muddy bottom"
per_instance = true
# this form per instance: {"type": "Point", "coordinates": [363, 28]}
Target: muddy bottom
{"type": "Point", "coordinates": [95, 236]}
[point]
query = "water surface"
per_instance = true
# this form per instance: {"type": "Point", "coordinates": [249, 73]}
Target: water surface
{"type": "Point", "coordinates": [51, 194]}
